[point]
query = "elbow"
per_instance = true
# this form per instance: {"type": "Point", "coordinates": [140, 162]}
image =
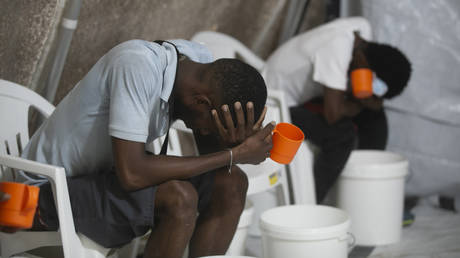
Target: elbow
{"type": "Point", "coordinates": [332, 113]}
{"type": "Point", "coordinates": [128, 186]}
{"type": "Point", "coordinates": [128, 181]}
{"type": "Point", "coordinates": [331, 117]}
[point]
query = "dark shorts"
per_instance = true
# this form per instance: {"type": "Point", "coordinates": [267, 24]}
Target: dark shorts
{"type": "Point", "coordinates": [107, 214]}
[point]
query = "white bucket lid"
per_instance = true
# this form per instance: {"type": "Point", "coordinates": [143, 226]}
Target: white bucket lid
{"type": "Point", "coordinates": [305, 222]}
{"type": "Point", "coordinates": [375, 164]}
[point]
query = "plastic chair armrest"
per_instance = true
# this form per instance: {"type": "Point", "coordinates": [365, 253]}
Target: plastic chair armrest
{"type": "Point", "coordinates": [34, 167]}
{"type": "Point", "coordinates": [58, 180]}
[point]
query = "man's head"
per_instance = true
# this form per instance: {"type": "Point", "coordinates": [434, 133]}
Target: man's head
{"type": "Point", "coordinates": [390, 65]}
{"type": "Point", "coordinates": [222, 82]}
{"type": "Point", "coordinates": [238, 81]}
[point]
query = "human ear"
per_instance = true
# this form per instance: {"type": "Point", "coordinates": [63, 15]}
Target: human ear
{"type": "Point", "coordinates": [202, 100]}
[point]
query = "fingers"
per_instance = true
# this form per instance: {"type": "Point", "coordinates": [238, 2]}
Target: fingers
{"type": "Point", "coordinates": [240, 121]}
{"type": "Point", "coordinates": [250, 113]}
{"type": "Point", "coordinates": [259, 122]}
{"type": "Point", "coordinates": [217, 122]}
{"type": "Point", "coordinates": [229, 122]}
{"type": "Point", "coordinates": [227, 117]}
{"type": "Point", "coordinates": [267, 130]}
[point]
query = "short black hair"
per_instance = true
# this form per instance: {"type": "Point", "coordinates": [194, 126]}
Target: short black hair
{"type": "Point", "coordinates": [390, 65]}
{"type": "Point", "coordinates": [241, 82]}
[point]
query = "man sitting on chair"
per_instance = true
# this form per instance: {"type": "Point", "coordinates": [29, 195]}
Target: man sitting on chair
{"type": "Point", "coordinates": [313, 69]}
{"type": "Point", "coordinates": [118, 191]}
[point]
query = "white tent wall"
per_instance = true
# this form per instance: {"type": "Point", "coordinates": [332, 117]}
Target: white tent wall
{"type": "Point", "coordinates": [424, 121]}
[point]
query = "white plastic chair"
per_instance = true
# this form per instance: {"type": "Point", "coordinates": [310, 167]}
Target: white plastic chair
{"type": "Point", "coordinates": [15, 101]}
{"type": "Point", "coordinates": [225, 46]}
{"type": "Point", "coordinates": [300, 169]}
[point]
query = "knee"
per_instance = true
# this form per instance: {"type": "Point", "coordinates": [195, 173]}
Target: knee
{"type": "Point", "coordinates": [177, 200]}
{"type": "Point", "coordinates": [231, 189]}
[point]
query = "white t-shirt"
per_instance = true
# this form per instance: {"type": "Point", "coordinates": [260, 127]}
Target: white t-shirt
{"type": "Point", "coordinates": [317, 57]}
{"type": "Point", "coordinates": [125, 95]}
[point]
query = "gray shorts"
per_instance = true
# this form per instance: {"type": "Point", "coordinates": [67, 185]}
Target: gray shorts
{"type": "Point", "coordinates": [107, 214]}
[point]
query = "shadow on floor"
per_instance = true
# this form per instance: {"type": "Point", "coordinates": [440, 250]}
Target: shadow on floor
{"type": "Point", "coordinates": [361, 251]}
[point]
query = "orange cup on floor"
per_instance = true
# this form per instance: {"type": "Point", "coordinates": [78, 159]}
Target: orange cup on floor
{"type": "Point", "coordinates": [286, 141]}
{"type": "Point", "coordinates": [361, 83]}
{"type": "Point", "coordinates": [19, 210]}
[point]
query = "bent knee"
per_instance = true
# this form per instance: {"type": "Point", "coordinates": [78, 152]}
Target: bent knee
{"type": "Point", "coordinates": [231, 189]}
{"type": "Point", "coordinates": [241, 181]}
{"type": "Point", "coordinates": [177, 199]}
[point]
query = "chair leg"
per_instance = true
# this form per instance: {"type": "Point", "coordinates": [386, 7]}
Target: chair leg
{"type": "Point", "coordinates": [284, 189]}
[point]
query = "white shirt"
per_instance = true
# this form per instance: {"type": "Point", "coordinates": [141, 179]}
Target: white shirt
{"type": "Point", "coordinates": [125, 95]}
{"type": "Point", "coordinates": [317, 57]}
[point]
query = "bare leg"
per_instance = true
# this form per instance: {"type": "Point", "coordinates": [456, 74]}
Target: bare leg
{"type": "Point", "coordinates": [216, 224]}
{"type": "Point", "coordinates": [175, 213]}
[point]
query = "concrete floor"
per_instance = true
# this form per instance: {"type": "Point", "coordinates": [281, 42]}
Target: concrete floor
{"type": "Point", "coordinates": [435, 233]}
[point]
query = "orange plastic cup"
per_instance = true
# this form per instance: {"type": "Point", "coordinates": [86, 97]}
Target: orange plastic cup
{"type": "Point", "coordinates": [361, 82]}
{"type": "Point", "coordinates": [19, 210]}
{"type": "Point", "coordinates": [286, 141]}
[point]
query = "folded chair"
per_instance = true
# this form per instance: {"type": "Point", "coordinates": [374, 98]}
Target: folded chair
{"type": "Point", "coordinates": [15, 101]}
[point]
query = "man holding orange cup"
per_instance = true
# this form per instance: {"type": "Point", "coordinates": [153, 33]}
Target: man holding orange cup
{"type": "Point", "coordinates": [335, 79]}
{"type": "Point", "coordinates": [102, 130]}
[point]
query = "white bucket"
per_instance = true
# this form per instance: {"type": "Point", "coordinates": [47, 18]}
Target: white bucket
{"type": "Point", "coordinates": [371, 191]}
{"type": "Point", "coordinates": [299, 231]}
{"type": "Point", "coordinates": [238, 244]}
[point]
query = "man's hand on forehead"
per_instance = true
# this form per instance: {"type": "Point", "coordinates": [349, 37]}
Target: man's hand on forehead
{"type": "Point", "coordinates": [231, 134]}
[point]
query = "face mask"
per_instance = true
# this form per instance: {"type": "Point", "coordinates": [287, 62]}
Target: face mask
{"type": "Point", "coordinates": [379, 87]}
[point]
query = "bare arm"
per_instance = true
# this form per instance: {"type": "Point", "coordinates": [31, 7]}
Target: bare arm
{"type": "Point", "coordinates": [136, 169]}
{"type": "Point", "coordinates": [337, 106]}
{"type": "Point", "coordinates": [373, 103]}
